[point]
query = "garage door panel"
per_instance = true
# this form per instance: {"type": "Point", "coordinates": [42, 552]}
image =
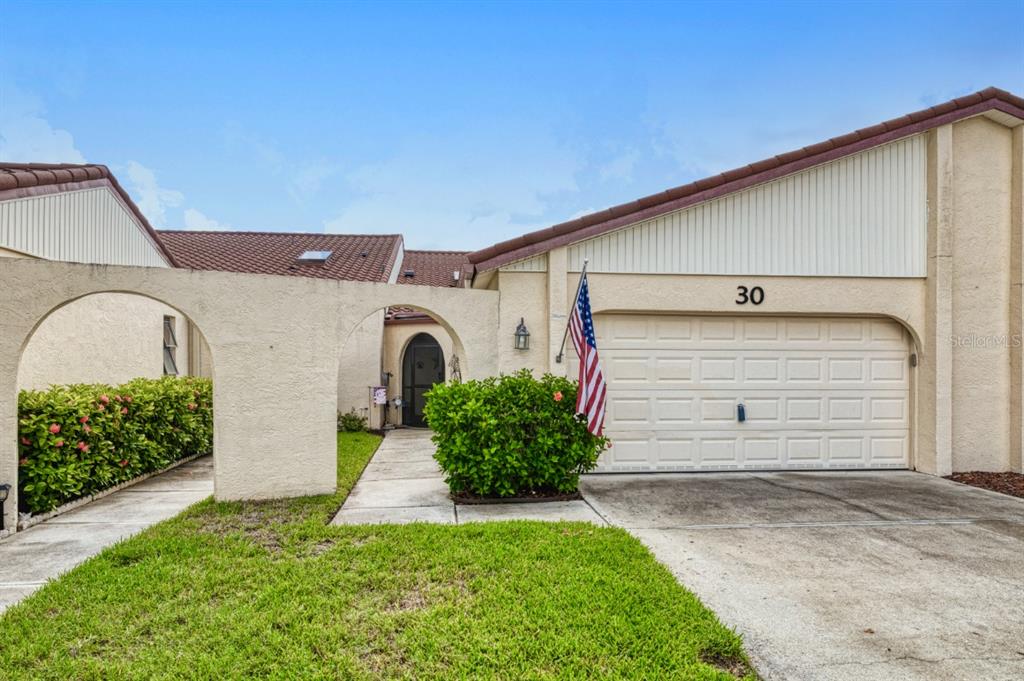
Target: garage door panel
{"type": "Point", "coordinates": [779, 369]}
{"type": "Point", "coordinates": [757, 450]}
{"type": "Point", "coordinates": [717, 410]}
{"type": "Point", "coordinates": [623, 331]}
{"type": "Point", "coordinates": [765, 409]}
{"type": "Point", "coordinates": [673, 370]}
{"type": "Point", "coordinates": [889, 450]}
{"type": "Point", "coordinates": [818, 392]}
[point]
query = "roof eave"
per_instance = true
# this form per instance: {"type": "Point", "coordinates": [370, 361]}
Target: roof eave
{"type": "Point", "coordinates": [595, 224]}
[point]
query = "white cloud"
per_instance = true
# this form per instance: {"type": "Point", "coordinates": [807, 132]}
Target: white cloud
{"type": "Point", "coordinates": [442, 196]}
{"type": "Point", "coordinates": [620, 167]}
{"type": "Point", "coordinates": [27, 137]}
{"type": "Point", "coordinates": [307, 180]}
{"type": "Point", "coordinates": [152, 199]}
{"type": "Point", "coordinates": [197, 221]}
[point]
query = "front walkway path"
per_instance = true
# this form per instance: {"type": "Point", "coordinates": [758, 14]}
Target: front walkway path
{"type": "Point", "coordinates": [31, 557]}
{"type": "Point", "coordinates": [403, 484]}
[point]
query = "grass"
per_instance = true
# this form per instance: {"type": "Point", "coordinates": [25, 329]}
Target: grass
{"type": "Point", "coordinates": [242, 590]}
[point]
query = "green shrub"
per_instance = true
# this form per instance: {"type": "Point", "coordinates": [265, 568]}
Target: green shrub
{"type": "Point", "coordinates": [351, 422]}
{"type": "Point", "coordinates": [511, 435]}
{"type": "Point", "coordinates": [76, 440]}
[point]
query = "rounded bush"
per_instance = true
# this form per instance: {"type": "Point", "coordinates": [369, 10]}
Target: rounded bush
{"type": "Point", "coordinates": [511, 435]}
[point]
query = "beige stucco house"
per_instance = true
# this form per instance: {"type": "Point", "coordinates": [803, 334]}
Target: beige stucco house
{"type": "Point", "coordinates": [860, 298]}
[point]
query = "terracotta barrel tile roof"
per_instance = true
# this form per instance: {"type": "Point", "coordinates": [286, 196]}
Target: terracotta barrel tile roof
{"type": "Point", "coordinates": [432, 268]}
{"type": "Point", "coordinates": [354, 257]}
{"type": "Point", "coordinates": [589, 226]}
{"type": "Point", "coordinates": [429, 268]}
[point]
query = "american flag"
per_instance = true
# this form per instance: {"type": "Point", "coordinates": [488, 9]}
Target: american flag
{"type": "Point", "coordinates": [591, 396]}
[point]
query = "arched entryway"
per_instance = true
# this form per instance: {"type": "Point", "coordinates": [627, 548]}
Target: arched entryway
{"type": "Point", "coordinates": [422, 367]}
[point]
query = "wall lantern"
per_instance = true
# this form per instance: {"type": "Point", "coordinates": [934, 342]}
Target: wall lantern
{"type": "Point", "coordinates": [5, 490]}
{"type": "Point", "coordinates": [522, 336]}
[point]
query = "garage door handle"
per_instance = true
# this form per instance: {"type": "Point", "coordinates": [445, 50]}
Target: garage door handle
{"type": "Point", "coordinates": [741, 413]}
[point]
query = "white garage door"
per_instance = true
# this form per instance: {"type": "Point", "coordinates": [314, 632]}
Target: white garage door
{"type": "Point", "coordinates": [818, 393]}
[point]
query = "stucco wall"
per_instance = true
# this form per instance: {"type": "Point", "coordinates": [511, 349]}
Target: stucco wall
{"type": "Point", "coordinates": [276, 362]}
{"type": "Point", "coordinates": [523, 296]}
{"type": "Point", "coordinates": [396, 337]}
{"type": "Point", "coordinates": [105, 338]}
{"type": "Point", "coordinates": [359, 367]}
{"type": "Point", "coordinates": [982, 169]}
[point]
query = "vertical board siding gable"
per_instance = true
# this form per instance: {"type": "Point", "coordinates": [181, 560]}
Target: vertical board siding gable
{"type": "Point", "coordinates": [861, 216]}
{"type": "Point", "coordinates": [89, 225]}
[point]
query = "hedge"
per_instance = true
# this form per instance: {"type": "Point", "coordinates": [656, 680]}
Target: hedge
{"type": "Point", "coordinates": [510, 435]}
{"type": "Point", "coordinates": [76, 440]}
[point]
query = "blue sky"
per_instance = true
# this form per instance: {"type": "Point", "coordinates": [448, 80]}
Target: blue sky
{"type": "Point", "coordinates": [458, 124]}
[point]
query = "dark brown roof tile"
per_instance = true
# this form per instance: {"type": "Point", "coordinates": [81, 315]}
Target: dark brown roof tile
{"type": "Point", "coordinates": [432, 268]}
{"type": "Point", "coordinates": [354, 257]}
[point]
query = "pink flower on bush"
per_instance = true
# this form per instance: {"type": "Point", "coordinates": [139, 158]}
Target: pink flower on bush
{"type": "Point", "coordinates": [101, 407]}
{"type": "Point", "coordinates": [58, 443]}
{"type": "Point", "coordinates": [25, 441]}
{"type": "Point", "coordinates": [104, 399]}
{"type": "Point", "coordinates": [82, 447]}
{"type": "Point", "coordinates": [23, 461]}
{"type": "Point", "coordinates": [128, 399]}
{"type": "Point", "coordinates": [54, 428]}
{"type": "Point", "coordinates": [84, 419]}
{"type": "Point", "coordinates": [123, 462]}
{"type": "Point", "coordinates": [124, 410]}
{"type": "Point", "coordinates": [191, 406]}
{"type": "Point", "coordinates": [117, 398]}
{"type": "Point", "coordinates": [87, 428]}
{"type": "Point", "coordinates": [558, 396]}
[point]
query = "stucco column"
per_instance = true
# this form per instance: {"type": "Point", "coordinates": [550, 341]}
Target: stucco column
{"type": "Point", "coordinates": [935, 391]}
{"type": "Point", "coordinates": [558, 307]}
{"type": "Point", "coordinates": [1017, 302]}
{"type": "Point", "coordinates": [9, 425]}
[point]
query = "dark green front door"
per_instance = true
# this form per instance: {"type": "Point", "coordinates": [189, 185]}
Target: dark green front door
{"type": "Point", "coordinates": [422, 367]}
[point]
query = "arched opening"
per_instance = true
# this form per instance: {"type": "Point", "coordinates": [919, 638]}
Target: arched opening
{"type": "Point", "coordinates": [371, 373]}
{"type": "Point", "coordinates": [111, 386]}
{"type": "Point", "coordinates": [422, 367]}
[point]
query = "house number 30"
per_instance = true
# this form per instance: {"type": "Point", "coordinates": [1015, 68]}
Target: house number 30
{"type": "Point", "coordinates": [753, 295]}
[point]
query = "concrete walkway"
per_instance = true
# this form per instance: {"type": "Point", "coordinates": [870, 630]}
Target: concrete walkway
{"type": "Point", "coordinates": [402, 484]}
{"type": "Point", "coordinates": [45, 551]}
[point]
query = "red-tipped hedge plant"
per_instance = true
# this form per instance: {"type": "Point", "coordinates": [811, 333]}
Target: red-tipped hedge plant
{"type": "Point", "coordinates": [76, 440]}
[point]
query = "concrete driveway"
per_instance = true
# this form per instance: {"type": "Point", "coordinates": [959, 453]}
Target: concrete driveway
{"type": "Point", "coordinates": [893, 575]}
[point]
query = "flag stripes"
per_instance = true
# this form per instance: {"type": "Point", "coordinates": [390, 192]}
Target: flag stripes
{"type": "Point", "coordinates": [591, 398]}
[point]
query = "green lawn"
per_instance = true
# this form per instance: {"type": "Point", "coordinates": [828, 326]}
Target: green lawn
{"type": "Point", "coordinates": [241, 590]}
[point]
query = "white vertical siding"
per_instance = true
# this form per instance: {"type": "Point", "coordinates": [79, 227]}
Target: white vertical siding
{"type": "Point", "coordinates": [861, 216]}
{"type": "Point", "coordinates": [538, 263]}
{"type": "Point", "coordinates": [89, 226]}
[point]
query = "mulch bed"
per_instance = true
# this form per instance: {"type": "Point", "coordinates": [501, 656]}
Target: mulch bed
{"type": "Point", "coordinates": [1004, 483]}
{"type": "Point", "coordinates": [527, 498]}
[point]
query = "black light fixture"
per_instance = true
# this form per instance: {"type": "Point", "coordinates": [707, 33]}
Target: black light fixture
{"type": "Point", "coordinates": [522, 336]}
{"type": "Point", "coordinates": [5, 490]}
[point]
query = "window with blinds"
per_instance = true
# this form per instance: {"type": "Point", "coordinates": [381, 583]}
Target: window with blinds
{"type": "Point", "coordinates": [170, 348]}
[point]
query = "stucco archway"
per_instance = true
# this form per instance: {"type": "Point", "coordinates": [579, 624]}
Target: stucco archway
{"type": "Point", "coordinates": [275, 342]}
{"type": "Point", "coordinates": [111, 338]}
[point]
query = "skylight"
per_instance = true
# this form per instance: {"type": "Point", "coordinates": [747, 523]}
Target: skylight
{"type": "Point", "coordinates": [315, 256]}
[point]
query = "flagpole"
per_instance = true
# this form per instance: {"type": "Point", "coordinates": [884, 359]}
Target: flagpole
{"type": "Point", "coordinates": [575, 300]}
